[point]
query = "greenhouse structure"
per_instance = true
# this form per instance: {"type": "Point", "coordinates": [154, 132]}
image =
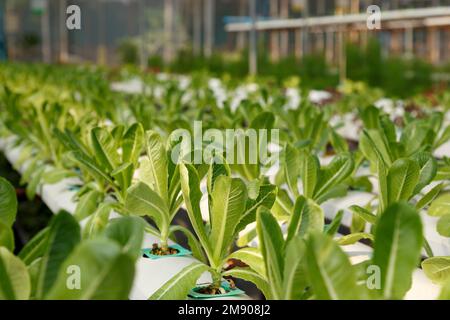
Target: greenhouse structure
{"type": "Point", "coordinates": [211, 150]}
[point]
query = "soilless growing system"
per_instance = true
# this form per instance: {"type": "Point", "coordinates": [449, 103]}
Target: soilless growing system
{"type": "Point", "coordinates": [167, 187]}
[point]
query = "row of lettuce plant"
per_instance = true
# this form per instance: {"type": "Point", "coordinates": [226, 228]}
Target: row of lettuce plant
{"type": "Point", "coordinates": [118, 147]}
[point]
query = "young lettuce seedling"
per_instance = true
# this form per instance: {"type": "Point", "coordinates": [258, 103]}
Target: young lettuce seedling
{"type": "Point", "coordinates": [306, 264]}
{"type": "Point", "coordinates": [309, 264]}
{"type": "Point", "coordinates": [157, 194]}
{"type": "Point", "coordinates": [231, 207]}
{"type": "Point", "coordinates": [109, 158]}
{"type": "Point", "coordinates": [319, 184]}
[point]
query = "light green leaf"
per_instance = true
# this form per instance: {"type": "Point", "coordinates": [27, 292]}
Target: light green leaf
{"type": "Point", "coordinates": [353, 238]}
{"type": "Point", "coordinates": [402, 178]}
{"type": "Point", "coordinates": [87, 204]}
{"type": "Point", "coordinates": [29, 171]}
{"type": "Point", "coordinates": [365, 214]}
{"type": "Point", "coordinates": [307, 217]}
{"type": "Point", "coordinates": [33, 271]}
{"type": "Point", "coordinates": [329, 270]}
{"type": "Point", "coordinates": [64, 235]}
{"type": "Point", "coordinates": [264, 120]}
{"type": "Point", "coordinates": [333, 227]}
{"type": "Point", "coordinates": [357, 224]}
{"type": "Point", "coordinates": [124, 175]}
{"type": "Point", "coordinates": [282, 206]}
{"type": "Point", "coordinates": [105, 149]}
{"type": "Point", "coordinates": [445, 136]}
{"type": "Point", "coordinates": [440, 206]}
{"type": "Point", "coordinates": [194, 245]}
{"type": "Point", "coordinates": [98, 220]}
{"type": "Point", "coordinates": [251, 257]}
{"type": "Point", "coordinates": [292, 167]}
{"type": "Point", "coordinates": [192, 195]}
{"type": "Point", "coordinates": [272, 248]}
{"type": "Point", "coordinates": [382, 171]}
{"type": "Point", "coordinates": [340, 168]}
{"type": "Point", "coordinates": [34, 182]}
{"type": "Point", "coordinates": [443, 173]}
{"type": "Point", "coordinates": [8, 203]}
{"type": "Point", "coordinates": [245, 237]}
{"type": "Point", "coordinates": [445, 291]}
{"type": "Point", "coordinates": [374, 146]}
{"type": "Point", "coordinates": [132, 144]}
{"type": "Point", "coordinates": [143, 201]}
{"type": "Point", "coordinates": [437, 269]}
{"type": "Point", "coordinates": [266, 198]}
{"type": "Point", "coordinates": [106, 273]}
{"type": "Point", "coordinates": [91, 166]}
{"type": "Point", "coordinates": [339, 144]}
{"type": "Point", "coordinates": [71, 141]}
{"type": "Point", "coordinates": [14, 278]}
{"type": "Point", "coordinates": [216, 170]}
{"type": "Point", "coordinates": [34, 248]}
{"type": "Point", "coordinates": [295, 279]}
{"type": "Point", "coordinates": [415, 136]}
{"type": "Point", "coordinates": [429, 196]}
{"type": "Point", "coordinates": [178, 287]}
{"type": "Point", "coordinates": [6, 237]}
{"type": "Point", "coordinates": [128, 232]}
{"type": "Point", "coordinates": [248, 274]}
{"type": "Point", "coordinates": [228, 203]}
{"type": "Point", "coordinates": [428, 169]}
{"type": "Point", "coordinates": [56, 175]}
{"type": "Point", "coordinates": [443, 226]}
{"type": "Point", "coordinates": [157, 165]}
{"type": "Point", "coordinates": [398, 243]}
{"type": "Point", "coordinates": [309, 173]}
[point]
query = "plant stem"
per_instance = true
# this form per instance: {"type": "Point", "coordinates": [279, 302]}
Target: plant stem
{"type": "Point", "coordinates": [164, 240]}
{"type": "Point", "coordinates": [216, 278]}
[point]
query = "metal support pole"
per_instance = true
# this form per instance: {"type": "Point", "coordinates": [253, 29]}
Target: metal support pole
{"type": "Point", "coordinates": [409, 42]}
{"type": "Point", "coordinates": [396, 42]}
{"type": "Point", "coordinates": [63, 35]}
{"type": "Point", "coordinates": [241, 36]}
{"type": "Point", "coordinates": [305, 31]}
{"type": "Point", "coordinates": [274, 35]}
{"type": "Point", "coordinates": [197, 27]}
{"type": "Point", "coordinates": [209, 27]}
{"type": "Point", "coordinates": [298, 44]}
{"type": "Point", "coordinates": [101, 49]}
{"type": "Point", "coordinates": [329, 50]}
{"type": "Point", "coordinates": [45, 29]}
{"type": "Point", "coordinates": [433, 44]}
{"type": "Point", "coordinates": [168, 31]}
{"type": "Point", "coordinates": [284, 36]}
{"type": "Point", "coordinates": [342, 56]}
{"type": "Point", "coordinates": [142, 30]}
{"type": "Point", "coordinates": [253, 56]}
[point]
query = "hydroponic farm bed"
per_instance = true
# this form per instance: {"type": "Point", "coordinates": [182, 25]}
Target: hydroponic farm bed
{"type": "Point", "coordinates": [341, 202]}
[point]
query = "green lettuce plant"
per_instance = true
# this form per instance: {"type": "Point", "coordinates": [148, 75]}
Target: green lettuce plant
{"type": "Point", "coordinates": [404, 165]}
{"type": "Point", "coordinates": [232, 205]}
{"type": "Point", "coordinates": [40, 271]}
{"type": "Point", "coordinates": [107, 159]}
{"type": "Point", "coordinates": [308, 264]}
{"type": "Point", "coordinates": [319, 184]}
{"type": "Point", "coordinates": [157, 193]}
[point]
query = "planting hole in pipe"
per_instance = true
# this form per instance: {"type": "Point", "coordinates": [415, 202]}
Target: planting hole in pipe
{"type": "Point", "coordinates": [177, 251]}
{"type": "Point", "coordinates": [226, 290]}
